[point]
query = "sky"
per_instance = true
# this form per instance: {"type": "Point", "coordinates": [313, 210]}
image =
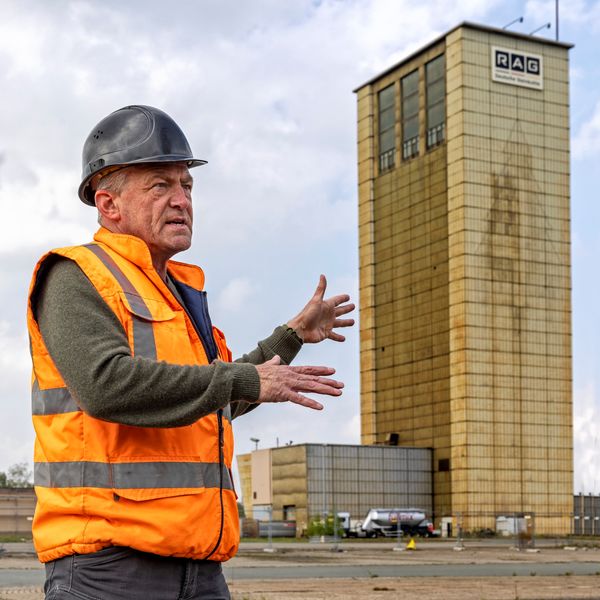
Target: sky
{"type": "Point", "coordinates": [263, 90]}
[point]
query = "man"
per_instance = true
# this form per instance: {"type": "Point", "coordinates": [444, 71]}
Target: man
{"type": "Point", "coordinates": [133, 388]}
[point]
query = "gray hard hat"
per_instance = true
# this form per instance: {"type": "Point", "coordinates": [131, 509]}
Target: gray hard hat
{"type": "Point", "coordinates": [129, 136]}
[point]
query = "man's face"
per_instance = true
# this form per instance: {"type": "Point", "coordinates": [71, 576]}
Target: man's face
{"type": "Point", "coordinates": [155, 205]}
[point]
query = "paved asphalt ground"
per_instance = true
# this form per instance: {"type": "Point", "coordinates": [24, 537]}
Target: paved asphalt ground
{"type": "Point", "coordinates": [436, 566]}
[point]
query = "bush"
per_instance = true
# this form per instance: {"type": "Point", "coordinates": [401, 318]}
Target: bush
{"type": "Point", "coordinates": [319, 525]}
{"type": "Point", "coordinates": [18, 475]}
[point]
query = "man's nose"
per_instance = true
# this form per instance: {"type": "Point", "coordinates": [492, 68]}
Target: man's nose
{"type": "Point", "coordinates": [181, 197]}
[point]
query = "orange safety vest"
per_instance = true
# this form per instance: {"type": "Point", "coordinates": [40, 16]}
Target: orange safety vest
{"type": "Point", "coordinates": [167, 491]}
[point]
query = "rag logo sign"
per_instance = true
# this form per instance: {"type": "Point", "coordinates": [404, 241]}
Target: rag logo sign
{"type": "Point", "coordinates": [517, 68]}
{"type": "Point", "coordinates": [517, 62]}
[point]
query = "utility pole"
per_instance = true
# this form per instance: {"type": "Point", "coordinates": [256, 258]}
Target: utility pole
{"type": "Point", "coordinates": [556, 17]}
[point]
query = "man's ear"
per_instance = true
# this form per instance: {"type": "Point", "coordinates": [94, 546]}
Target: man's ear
{"type": "Point", "coordinates": [107, 205]}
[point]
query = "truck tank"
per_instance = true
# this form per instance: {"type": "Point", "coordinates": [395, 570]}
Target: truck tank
{"type": "Point", "coordinates": [385, 521]}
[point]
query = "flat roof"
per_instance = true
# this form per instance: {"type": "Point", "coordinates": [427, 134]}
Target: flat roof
{"type": "Point", "coordinates": [330, 444]}
{"type": "Point", "coordinates": [468, 24]}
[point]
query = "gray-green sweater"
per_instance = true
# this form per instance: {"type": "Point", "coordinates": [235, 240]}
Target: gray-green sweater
{"type": "Point", "coordinates": [89, 347]}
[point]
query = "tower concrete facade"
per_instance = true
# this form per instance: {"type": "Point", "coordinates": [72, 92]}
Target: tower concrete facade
{"type": "Point", "coordinates": [464, 238]}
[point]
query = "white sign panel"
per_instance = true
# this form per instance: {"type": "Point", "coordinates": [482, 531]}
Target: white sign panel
{"type": "Point", "coordinates": [517, 68]}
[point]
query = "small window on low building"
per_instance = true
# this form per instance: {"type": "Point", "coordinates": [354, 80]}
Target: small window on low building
{"type": "Point", "coordinates": [435, 79]}
{"type": "Point", "coordinates": [443, 465]}
{"type": "Point", "coordinates": [289, 512]}
{"type": "Point", "coordinates": [387, 122]}
{"type": "Point", "coordinates": [410, 115]}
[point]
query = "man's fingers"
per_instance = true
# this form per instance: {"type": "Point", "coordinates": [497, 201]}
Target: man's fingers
{"type": "Point", "coordinates": [343, 323]}
{"type": "Point", "coordinates": [281, 383]}
{"type": "Point", "coordinates": [332, 382]}
{"type": "Point", "coordinates": [327, 387]}
{"type": "Point", "coordinates": [276, 360]}
{"type": "Point", "coordinates": [308, 402]}
{"type": "Point", "coordinates": [336, 337]}
{"type": "Point", "coordinates": [340, 299]}
{"type": "Point", "coordinates": [321, 287]}
{"type": "Point", "coordinates": [342, 310]}
{"type": "Point", "coordinates": [312, 370]}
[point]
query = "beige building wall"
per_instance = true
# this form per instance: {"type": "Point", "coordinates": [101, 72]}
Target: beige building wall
{"type": "Point", "coordinates": [465, 284]}
{"type": "Point", "coordinates": [286, 486]}
{"type": "Point", "coordinates": [404, 287]}
{"type": "Point", "coordinates": [260, 467]}
{"type": "Point", "coordinates": [17, 506]}
{"type": "Point", "coordinates": [244, 463]}
{"type": "Point", "coordinates": [290, 485]}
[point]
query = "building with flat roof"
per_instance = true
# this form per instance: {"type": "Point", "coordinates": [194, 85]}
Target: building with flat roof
{"type": "Point", "coordinates": [304, 481]}
{"type": "Point", "coordinates": [464, 227]}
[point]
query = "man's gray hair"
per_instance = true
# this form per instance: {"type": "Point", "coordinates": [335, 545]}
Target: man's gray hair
{"type": "Point", "coordinates": [114, 182]}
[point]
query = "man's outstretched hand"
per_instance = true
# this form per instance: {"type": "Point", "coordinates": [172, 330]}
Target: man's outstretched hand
{"type": "Point", "coordinates": [281, 383]}
{"type": "Point", "coordinates": [318, 319]}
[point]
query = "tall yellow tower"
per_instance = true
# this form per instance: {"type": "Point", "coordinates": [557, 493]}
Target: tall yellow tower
{"type": "Point", "coordinates": [463, 161]}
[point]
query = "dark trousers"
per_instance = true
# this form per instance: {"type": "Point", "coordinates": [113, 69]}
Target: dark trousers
{"type": "Point", "coordinates": [118, 573]}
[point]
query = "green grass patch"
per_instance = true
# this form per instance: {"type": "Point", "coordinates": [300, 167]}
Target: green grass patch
{"type": "Point", "coordinates": [7, 539]}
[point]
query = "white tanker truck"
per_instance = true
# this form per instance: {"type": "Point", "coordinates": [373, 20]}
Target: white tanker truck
{"type": "Point", "coordinates": [385, 522]}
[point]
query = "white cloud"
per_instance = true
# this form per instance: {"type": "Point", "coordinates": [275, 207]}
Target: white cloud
{"type": "Point", "coordinates": [351, 428]}
{"type": "Point", "coordinates": [43, 209]}
{"type": "Point", "coordinates": [234, 296]}
{"type": "Point", "coordinates": [16, 432]}
{"type": "Point", "coordinates": [586, 142]}
{"type": "Point", "coordinates": [13, 349]}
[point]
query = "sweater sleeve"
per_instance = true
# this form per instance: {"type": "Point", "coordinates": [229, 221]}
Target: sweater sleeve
{"type": "Point", "coordinates": [90, 349]}
{"type": "Point", "coordinates": [285, 343]}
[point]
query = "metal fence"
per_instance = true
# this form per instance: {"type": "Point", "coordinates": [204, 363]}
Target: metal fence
{"type": "Point", "coordinates": [17, 506]}
{"type": "Point", "coordinates": [586, 515]}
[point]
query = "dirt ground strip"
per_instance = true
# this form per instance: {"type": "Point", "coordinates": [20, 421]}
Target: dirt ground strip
{"type": "Point", "coordinates": [565, 587]}
{"type": "Point", "coordinates": [463, 588]}
{"type": "Point", "coordinates": [428, 553]}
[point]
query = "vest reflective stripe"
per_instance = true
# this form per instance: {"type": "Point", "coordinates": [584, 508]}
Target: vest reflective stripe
{"type": "Point", "coordinates": [58, 401]}
{"type": "Point", "coordinates": [54, 401]}
{"type": "Point", "coordinates": [143, 339]}
{"type": "Point", "coordinates": [138, 475]}
{"type": "Point", "coordinates": [135, 300]}
{"type": "Point", "coordinates": [143, 334]}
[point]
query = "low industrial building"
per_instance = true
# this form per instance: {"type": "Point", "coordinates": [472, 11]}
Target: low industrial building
{"type": "Point", "coordinates": [303, 481]}
{"type": "Point", "coordinates": [17, 506]}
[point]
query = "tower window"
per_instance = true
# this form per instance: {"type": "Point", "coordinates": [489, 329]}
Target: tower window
{"type": "Point", "coordinates": [387, 135]}
{"type": "Point", "coordinates": [410, 115]}
{"type": "Point", "coordinates": [435, 78]}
